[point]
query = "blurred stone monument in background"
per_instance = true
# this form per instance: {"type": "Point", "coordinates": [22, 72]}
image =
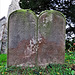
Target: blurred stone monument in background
{"type": "Point", "coordinates": [3, 35]}
{"type": "Point", "coordinates": [13, 6]}
{"type": "Point", "coordinates": [4, 25]}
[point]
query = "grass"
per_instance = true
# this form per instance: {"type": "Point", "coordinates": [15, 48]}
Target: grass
{"type": "Point", "coordinates": [3, 59]}
{"type": "Point", "coordinates": [68, 68]}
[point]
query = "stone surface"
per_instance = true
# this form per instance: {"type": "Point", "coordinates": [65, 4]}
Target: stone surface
{"type": "Point", "coordinates": [51, 26]}
{"type": "Point", "coordinates": [35, 40]}
{"type": "Point", "coordinates": [13, 7]}
{"type": "Point", "coordinates": [3, 35]}
{"type": "Point", "coordinates": [3, 25]}
{"type": "Point", "coordinates": [22, 38]}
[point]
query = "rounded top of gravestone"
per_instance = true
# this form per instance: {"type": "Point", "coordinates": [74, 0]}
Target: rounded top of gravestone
{"type": "Point", "coordinates": [48, 11]}
{"type": "Point", "coordinates": [22, 10]}
{"type": "Point", "coordinates": [52, 11]}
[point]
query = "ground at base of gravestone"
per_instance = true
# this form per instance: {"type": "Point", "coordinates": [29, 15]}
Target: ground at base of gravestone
{"type": "Point", "coordinates": [68, 68]}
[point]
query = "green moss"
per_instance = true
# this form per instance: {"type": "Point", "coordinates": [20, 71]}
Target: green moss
{"type": "Point", "coordinates": [22, 10]}
{"type": "Point", "coordinates": [15, 12]}
{"type": "Point", "coordinates": [52, 11]}
{"type": "Point", "coordinates": [47, 29]}
{"type": "Point", "coordinates": [43, 12]}
{"type": "Point", "coordinates": [33, 13]}
{"type": "Point", "coordinates": [30, 11]}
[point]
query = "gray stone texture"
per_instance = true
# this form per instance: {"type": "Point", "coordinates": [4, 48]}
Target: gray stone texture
{"type": "Point", "coordinates": [22, 38]}
{"type": "Point", "coordinates": [51, 26]}
{"type": "Point", "coordinates": [13, 7]}
{"type": "Point", "coordinates": [36, 41]}
{"type": "Point", "coordinates": [3, 35]}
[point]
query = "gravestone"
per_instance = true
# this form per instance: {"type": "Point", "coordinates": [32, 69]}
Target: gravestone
{"type": "Point", "coordinates": [22, 38]}
{"type": "Point", "coordinates": [51, 26]}
{"type": "Point", "coordinates": [36, 40]}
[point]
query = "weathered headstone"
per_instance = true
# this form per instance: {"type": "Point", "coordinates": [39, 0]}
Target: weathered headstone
{"type": "Point", "coordinates": [3, 35]}
{"type": "Point", "coordinates": [35, 40]}
{"type": "Point", "coordinates": [51, 26]}
{"type": "Point", "coordinates": [22, 38]}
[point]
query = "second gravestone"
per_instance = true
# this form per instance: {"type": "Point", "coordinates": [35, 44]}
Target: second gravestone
{"type": "Point", "coordinates": [36, 41]}
{"type": "Point", "coordinates": [51, 26]}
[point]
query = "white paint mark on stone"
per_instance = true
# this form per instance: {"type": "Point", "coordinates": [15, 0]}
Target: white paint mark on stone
{"type": "Point", "coordinates": [39, 38]}
{"type": "Point", "coordinates": [43, 20]}
{"type": "Point", "coordinates": [44, 25]}
{"type": "Point", "coordinates": [20, 65]}
{"type": "Point", "coordinates": [31, 48]}
{"type": "Point", "coordinates": [47, 19]}
{"type": "Point", "coordinates": [50, 17]}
